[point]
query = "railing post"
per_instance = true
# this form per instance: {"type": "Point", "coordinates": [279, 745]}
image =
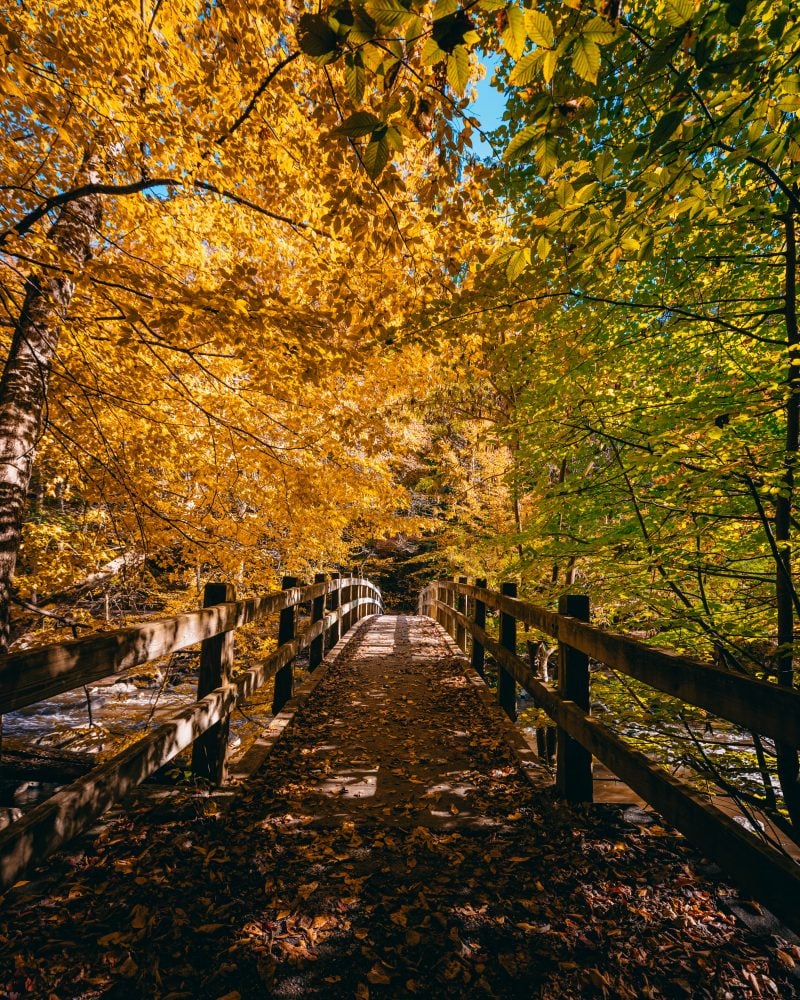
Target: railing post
{"type": "Point", "coordinates": [344, 597]}
{"type": "Point", "coordinates": [284, 678]}
{"type": "Point", "coordinates": [573, 763]}
{"type": "Point", "coordinates": [478, 652]}
{"type": "Point", "coordinates": [352, 591]}
{"type": "Point", "coordinates": [448, 600]}
{"type": "Point", "coordinates": [334, 600]}
{"type": "Point", "coordinates": [506, 685]}
{"type": "Point", "coordinates": [210, 750]}
{"type": "Point", "coordinates": [317, 648]}
{"type": "Point", "coordinates": [461, 605]}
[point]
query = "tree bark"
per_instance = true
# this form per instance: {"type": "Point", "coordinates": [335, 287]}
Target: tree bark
{"type": "Point", "coordinates": [24, 383]}
{"type": "Point", "coordinates": [788, 769]}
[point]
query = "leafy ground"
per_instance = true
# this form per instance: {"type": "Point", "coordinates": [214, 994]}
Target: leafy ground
{"type": "Point", "coordinates": [390, 846]}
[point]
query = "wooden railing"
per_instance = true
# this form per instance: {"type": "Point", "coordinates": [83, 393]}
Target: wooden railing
{"type": "Point", "coordinates": [28, 677]}
{"type": "Point", "coordinates": [758, 706]}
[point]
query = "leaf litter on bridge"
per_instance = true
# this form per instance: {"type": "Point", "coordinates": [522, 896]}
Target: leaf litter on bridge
{"type": "Point", "coordinates": [390, 847]}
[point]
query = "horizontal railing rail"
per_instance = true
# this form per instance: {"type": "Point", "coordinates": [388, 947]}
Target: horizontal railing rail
{"type": "Point", "coordinates": [757, 705]}
{"type": "Point", "coordinates": [33, 675]}
{"type": "Point", "coordinates": [75, 807]}
{"type": "Point", "coordinates": [760, 869]}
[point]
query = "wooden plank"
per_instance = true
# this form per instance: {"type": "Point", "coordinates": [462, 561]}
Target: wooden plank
{"type": "Point", "coordinates": [334, 601]}
{"type": "Point", "coordinates": [210, 750]}
{"type": "Point", "coordinates": [33, 675]}
{"type": "Point", "coordinates": [317, 650]}
{"type": "Point", "coordinates": [758, 706]}
{"type": "Point", "coordinates": [478, 653]}
{"type": "Point", "coordinates": [506, 685]}
{"type": "Point", "coordinates": [461, 632]}
{"type": "Point", "coordinates": [573, 762]}
{"type": "Point", "coordinates": [284, 678]}
{"type": "Point", "coordinates": [529, 614]}
{"type": "Point", "coordinates": [760, 870]}
{"type": "Point", "coordinates": [71, 810]}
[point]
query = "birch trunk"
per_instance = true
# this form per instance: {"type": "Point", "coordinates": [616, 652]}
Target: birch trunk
{"type": "Point", "coordinates": [24, 383]}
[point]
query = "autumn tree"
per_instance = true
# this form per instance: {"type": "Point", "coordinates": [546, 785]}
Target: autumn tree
{"type": "Point", "coordinates": [207, 263]}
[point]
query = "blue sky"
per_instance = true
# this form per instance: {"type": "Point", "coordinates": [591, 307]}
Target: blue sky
{"type": "Point", "coordinates": [488, 108]}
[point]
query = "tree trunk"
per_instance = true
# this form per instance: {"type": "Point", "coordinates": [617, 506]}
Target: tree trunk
{"type": "Point", "coordinates": [788, 770]}
{"type": "Point", "coordinates": [24, 383]}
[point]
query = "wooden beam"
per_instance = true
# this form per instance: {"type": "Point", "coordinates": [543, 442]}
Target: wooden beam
{"type": "Point", "coordinates": [573, 762]}
{"type": "Point", "coordinates": [758, 706]}
{"type": "Point", "coordinates": [506, 685]}
{"type": "Point", "coordinates": [334, 600]}
{"type": "Point", "coordinates": [35, 674]}
{"type": "Point", "coordinates": [461, 632]}
{"type": "Point", "coordinates": [479, 618]}
{"type": "Point", "coordinates": [210, 751]}
{"type": "Point", "coordinates": [317, 650]}
{"type": "Point", "coordinates": [284, 678]}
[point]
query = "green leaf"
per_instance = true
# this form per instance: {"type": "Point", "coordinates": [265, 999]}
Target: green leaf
{"type": "Point", "coordinates": [586, 59]}
{"type": "Point", "coordinates": [547, 154]}
{"type": "Point", "coordinates": [431, 53]}
{"type": "Point", "coordinates": [539, 28]}
{"type": "Point", "coordinates": [376, 156]}
{"type": "Point", "coordinates": [499, 256]}
{"type": "Point", "coordinates": [316, 37]}
{"type": "Point", "coordinates": [458, 69]}
{"type": "Point", "coordinates": [599, 30]}
{"type": "Point", "coordinates": [604, 164]}
{"type": "Point", "coordinates": [414, 30]}
{"type": "Point", "coordinates": [666, 126]}
{"type": "Point", "coordinates": [543, 247]}
{"type": "Point", "coordinates": [354, 80]}
{"type": "Point", "coordinates": [515, 36]}
{"type": "Point", "coordinates": [389, 13]}
{"type": "Point", "coordinates": [549, 64]}
{"type": "Point", "coordinates": [517, 263]}
{"type": "Point", "coordinates": [358, 124]}
{"type": "Point", "coordinates": [526, 70]}
{"type": "Point", "coordinates": [522, 143]}
{"type": "Point", "coordinates": [662, 52]}
{"type": "Point", "coordinates": [491, 5]}
{"type": "Point", "coordinates": [395, 139]}
{"type": "Point", "coordinates": [679, 11]}
{"type": "Point", "coordinates": [364, 27]}
{"type": "Point", "coordinates": [564, 193]}
{"type": "Point", "coordinates": [444, 7]}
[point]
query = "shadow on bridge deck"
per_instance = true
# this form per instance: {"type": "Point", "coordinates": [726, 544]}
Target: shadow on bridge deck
{"type": "Point", "coordinates": [391, 845]}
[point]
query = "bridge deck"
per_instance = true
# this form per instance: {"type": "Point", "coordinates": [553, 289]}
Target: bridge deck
{"type": "Point", "coordinates": [390, 845]}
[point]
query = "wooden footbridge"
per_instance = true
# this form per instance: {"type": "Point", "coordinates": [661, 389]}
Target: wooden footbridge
{"type": "Point", "coordinates": [391, 832]}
